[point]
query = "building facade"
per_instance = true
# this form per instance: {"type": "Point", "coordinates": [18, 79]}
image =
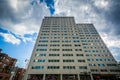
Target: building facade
{"type": "Point", "coordinates": [7, 65]}
{"type": "Point", "coordinates": [65, 50]}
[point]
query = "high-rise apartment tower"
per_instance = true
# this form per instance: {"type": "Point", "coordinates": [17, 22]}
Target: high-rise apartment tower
{"type": "Point", "coordinates": [65, 50]}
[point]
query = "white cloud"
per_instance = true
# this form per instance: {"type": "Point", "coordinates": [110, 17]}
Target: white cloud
{"type": "Point", "coordinates": [28, 39]}
{"type": "Point", "coordinates": [111, 41]}
{"type": "Point", "coordinates": [26, 28]}
{"type": "Point", "coordinates": [101, 3]}
{"type": "Point", "coordinates": [10, 38]}
{"type": "Point", "coordinates": [82, 11]}
{"type": "Point", "coordinates": [13, 3]}
{"type": "Point", "coordinates": [27, 17]}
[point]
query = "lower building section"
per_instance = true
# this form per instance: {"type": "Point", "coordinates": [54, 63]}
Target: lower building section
{"type": "Point", "coordinates": [105, 77]}
{"type": "Point", "coordinates": [72, 77]}
{"type": "Point", "coordinates": [4, 76]}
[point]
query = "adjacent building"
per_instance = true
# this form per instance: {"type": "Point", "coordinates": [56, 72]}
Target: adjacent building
{"type": "Point", "coordinates": [7, 65]}
{"type": "Point", "coordinates": [65, 50]}
{"type": "Point", "coordinates": [19, 73]}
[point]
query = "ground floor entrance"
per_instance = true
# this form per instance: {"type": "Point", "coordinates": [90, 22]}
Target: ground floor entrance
{"type": "Point", "coordinates": [105, 77]}
{"type": "Point", "coordinates": [59, 77]}
{"type": "Point", "coordinates": [72, 77]}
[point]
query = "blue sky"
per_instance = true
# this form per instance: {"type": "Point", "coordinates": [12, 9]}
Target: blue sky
{"type": "Point", "coordinates": [20, 22]}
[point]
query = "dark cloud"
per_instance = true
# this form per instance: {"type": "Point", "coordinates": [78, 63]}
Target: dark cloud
{"type": "Point", "coordinates": [114, 11]}
{"type": "Point", "coordinates": [111, 15]}
{"type": "Point", "coordinates": [6, 11]}
{"type": "Point", "coordinates": [11, 15]}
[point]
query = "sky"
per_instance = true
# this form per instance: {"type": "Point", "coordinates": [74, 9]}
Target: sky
{"type": "Point", "coordinates": [20, 22]}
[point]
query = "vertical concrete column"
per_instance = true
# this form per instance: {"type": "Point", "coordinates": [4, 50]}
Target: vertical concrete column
{"type": "Point", "coordinates": [60, 76]}
{"type": "Point", "coordinates": [91, 76]}
{"type": "Point", "coordinates": [78, 77]}
{"type": "Point", "coordinates": [44, 76]}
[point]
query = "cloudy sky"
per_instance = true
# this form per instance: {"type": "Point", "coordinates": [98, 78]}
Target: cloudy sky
{"type": "Point", "coordinates": [20, 22]}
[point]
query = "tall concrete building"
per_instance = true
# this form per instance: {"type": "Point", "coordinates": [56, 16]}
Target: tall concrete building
{"type": "Point", "coordinates": [65, 50]}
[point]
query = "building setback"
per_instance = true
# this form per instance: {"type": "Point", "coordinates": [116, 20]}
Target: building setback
{"type": "Point", "coordinates": [65, 50]}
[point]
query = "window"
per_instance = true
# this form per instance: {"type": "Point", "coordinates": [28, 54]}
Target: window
{"type": "Point", "coordinates": [86, 50]}
{"type": "Point", "coordinates": [80, 60]}
{"type": "Point", "coordinates": [53, 54]}
{"type": "Point", "coordinates": [94, 50]}
{"type": "Point", "coordinates": [45, 31]}
{"type": "Point", "coordinates": [98, 59]}
{"type": "Point", "coordinates": [88, 54]}
{"type": "Point", "coordinates": [85, 46]}
{"type": "Point", "coordinates": [103, 70]}
{"type": "Point", "coordinates": [37, 67]}
{"type": "Point", "coordinates": [54, 49]}
{"type": "Point", "coordinates": [41, 49]}
{"type": "Point", "coordinates": [66, 45]}
{"type": "Point", "coordinates": [54, 60]}
{"type": "Point", "coordinates": [54, 41]}
{"type": "Point", "coordinates": [82, 67]}
{"type": "Point", "coordinates": [55, 38]}
{"type": "Point", "coordinates": [94, 70]}
{"type": "Point", "coordinates": [96, 54]}
{"type": "Point", "coordinates": [90, 40]}
{"type": "Point", "coordinates": [39, 60]}
{"type": "Point", "coordinates": [114, 70]}
{"type": "Point", "coordinates": [111, 64]}
{"type": "Point", "coordinates": [44, 37]}
{"type": "Point", "coordinates": [66, 40]}
{"type": "Point", "coordinates": [83, 40]}
{"type": "Point", "coordinates": [43, 45]}
{"type": "Point", "coordinates": [92, 65]}
{"type": "Point", "coordinates": [68, 67]}
{"type": "Point", "coordinates": [68, 60]}
{"type": "Point", "coordinates": [43, 41]}
{"type": "Point", "coordinates": [101, 65]}
{"type": "Point", "coordinates": [43, 54]}
{"type": "Point", "coordinates": [107, 59]}
{"type": "Point", "coordinates": [77, 45]}
{"type": "Point", "coordinates": [78, 49]}
{"type": "Point", "coordinates": [54, 45]}
{"type": "Point", "coordinates": [67, 54]}
{"type": "Point", "coordinates": [75, 37]}
{"type": "Point", "coordinates": [76, 41]}
{"type": "Point", "coordinates": [45, 34]}
{"type": "Point", "coordinates": [79, 54]}
{"type": "Point", "coordinates": [53, 67]}
{"type": "Point", "coordinates": [7, 60]}
{"type": "Point", "coordinates": [66, 49]}
{"type": "Point", "coordinates": [90, 59]}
